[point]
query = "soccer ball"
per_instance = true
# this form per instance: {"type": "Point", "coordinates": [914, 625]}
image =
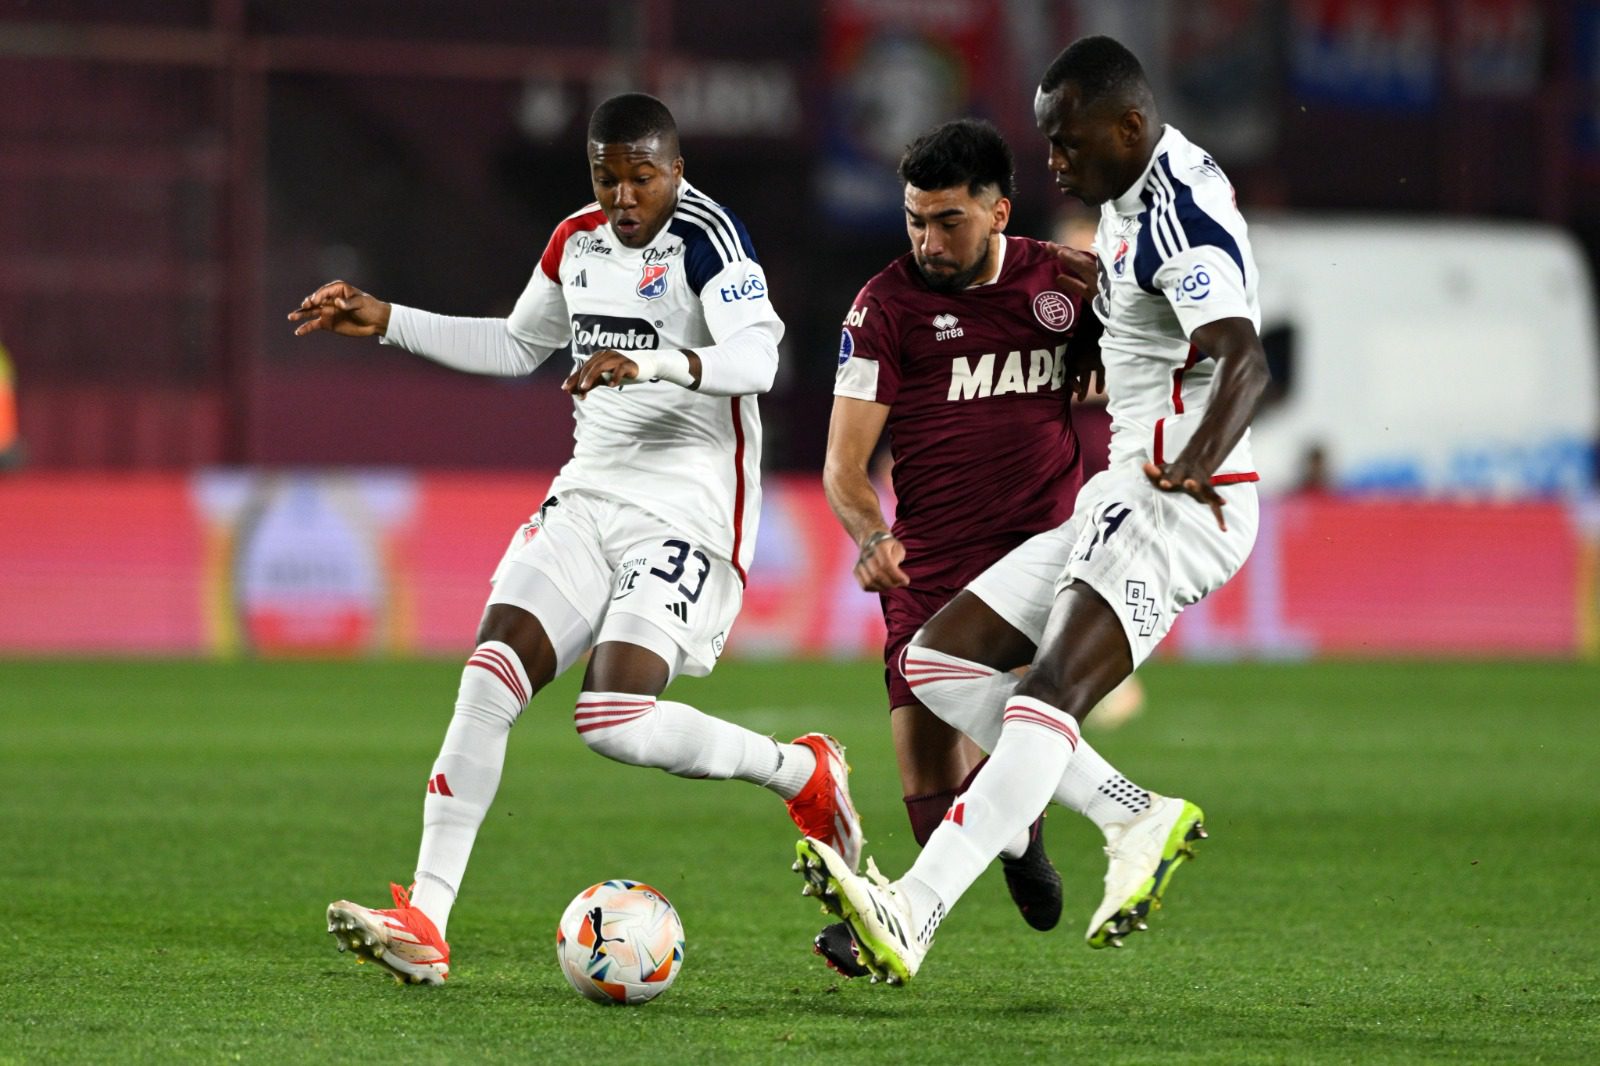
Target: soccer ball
{"type": "Point", "coordinates": [620, 942]}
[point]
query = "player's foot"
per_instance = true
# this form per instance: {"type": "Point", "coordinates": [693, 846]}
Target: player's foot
{"type": "Point", "coordinates": [838, 949]}
{"type": "Point", "coordinates": [401, 939]}
{"type": "Point", "coordinates": [878, 916]}
{"type": "Point", "coordinates": [1144, 855]}
{"type": "Point", "coordinates": [1035, 886]}
{"type": "Point", "coordinates": [823, 809]}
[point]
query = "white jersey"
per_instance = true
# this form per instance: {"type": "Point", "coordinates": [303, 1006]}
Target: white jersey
{"type": "Point", "coordinates": [692, 457]}
{"type": "Point", "coordinates": [1174, 255]}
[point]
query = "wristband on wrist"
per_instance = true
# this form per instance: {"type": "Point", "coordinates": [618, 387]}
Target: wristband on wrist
{"type": "Point", "coordinates": [869, 545]}
{"type": "Point", "coordinates": [670, 366]}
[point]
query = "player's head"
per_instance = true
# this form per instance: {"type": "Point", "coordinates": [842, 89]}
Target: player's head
{"type": "Point", "coordinates": [1095, 107]}
{"type": "Point", "coordinates": [634, 165]}
{"type": "Point", "coordinates": [958, 180]}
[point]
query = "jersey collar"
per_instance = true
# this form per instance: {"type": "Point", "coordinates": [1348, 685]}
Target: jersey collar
{"type": "Point", "coordinates": [1129, 203]}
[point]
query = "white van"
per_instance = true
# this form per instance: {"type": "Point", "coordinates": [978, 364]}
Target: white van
{"type": "Point", "coordinates": [1450, 358]}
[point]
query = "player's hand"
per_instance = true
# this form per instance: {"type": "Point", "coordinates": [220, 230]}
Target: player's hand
{"type": "Point", "coordinates": [1088, 375]}
{"type": "Point", "coordinates": [341, 308]}
{"type": "Point", "coordinates": [878, 568]}
{"type": "Point", "coordinates": [1080, 271]}
{"type": "Point", "coordinates": [1186, 478]}
{"type": "Point", "coordinates": [603, 369]}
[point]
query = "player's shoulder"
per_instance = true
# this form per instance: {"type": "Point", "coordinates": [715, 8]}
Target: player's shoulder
{"type": "Point", "coordinates": [584, 220]}
{"type": "Point", "coordinates": [713, 237]}
{"type": "Point", "coordinates": [893, 283]}
{"type": "Point", "coordinates": [1187, 175]}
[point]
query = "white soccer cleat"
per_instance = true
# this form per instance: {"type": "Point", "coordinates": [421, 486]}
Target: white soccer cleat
{"type": "Point", "coordinates": [823, 809]}
{"type": "Point", "coordinates": [879, 917]}
{"type": "Point", "coordinates": [401, 939]}
{"type": "Point", "coordinates": [1144, 854]}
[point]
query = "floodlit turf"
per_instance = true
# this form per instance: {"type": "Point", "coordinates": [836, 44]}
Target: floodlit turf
{"type": "Point", "coordinates": [1402, 868]}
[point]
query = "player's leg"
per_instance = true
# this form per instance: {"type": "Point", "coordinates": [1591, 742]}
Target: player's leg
{"type": "Point", "coordinates": [670, 612]}
{"type": "Point", "coordinates": [529, 633]}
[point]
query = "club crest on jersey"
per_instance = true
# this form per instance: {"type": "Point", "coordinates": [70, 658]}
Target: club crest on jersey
{"type": "Point", "coordinates": [1054, 310]}
{"type": "Point", "coordinates": [1119, 262]}
{"type": "Point", "coordinates": [653, 284]}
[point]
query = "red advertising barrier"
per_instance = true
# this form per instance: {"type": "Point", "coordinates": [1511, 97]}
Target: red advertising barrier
{"type": "Point", "coordinates": [364, 562]}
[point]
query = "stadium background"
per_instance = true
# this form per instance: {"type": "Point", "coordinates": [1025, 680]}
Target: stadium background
{"type": "Point", "coordinates": [238, 572]}
{"type": "Point", "coordinates": [174, 176]}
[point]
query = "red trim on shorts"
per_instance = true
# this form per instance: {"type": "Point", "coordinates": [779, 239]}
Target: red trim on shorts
{"type": "Point", "coordinates": [1177, 381]}
{"type": "Point", "coordinates": [738, 488]}
{"type": "Point", "coordinates": [550, 262]}
{"type": "Point", "coordinates": [1235, 479]}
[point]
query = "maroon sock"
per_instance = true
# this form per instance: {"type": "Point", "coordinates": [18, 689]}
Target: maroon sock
{"type": "Point", "coordinates": [927, 811]}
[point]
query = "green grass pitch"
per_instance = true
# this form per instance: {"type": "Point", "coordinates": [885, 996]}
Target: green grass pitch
{"type": "Point", "coordinates": [1402, 868]}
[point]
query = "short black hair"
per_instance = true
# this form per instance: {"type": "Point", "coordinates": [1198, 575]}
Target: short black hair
{"type": "Point", "coordinates": [1101, 68]}
{"type": "Point", "coordinates": [632, 117]}
{"type": "Point", "coordinates": [967, 152]}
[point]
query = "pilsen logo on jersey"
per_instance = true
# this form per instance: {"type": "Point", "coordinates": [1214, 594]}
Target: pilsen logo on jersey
{"type": "Point", "coordinates": [1054, 310]}
{"type": "Point", "coordinates": [654, 282]}
{"type": "Point", "coordinates": [591, 333]}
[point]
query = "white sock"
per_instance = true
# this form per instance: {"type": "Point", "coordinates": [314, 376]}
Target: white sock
{"type": "Point", "coordinates": [494, 690]}
{"type": "Point", "coordinates": [1036, 744]}
{"type": "Point", "coordinates": [1093, 787]}
{"type": "Point", "coordinates": [645, 731]}
{"type": "Point", "coordinates": [968, 696]}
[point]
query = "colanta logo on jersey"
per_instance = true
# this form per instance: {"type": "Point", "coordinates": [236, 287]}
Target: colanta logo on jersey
{"type": "Point", "coordinates": [591, 333]}
{"type": "Point", "coordinates": [653, 284]}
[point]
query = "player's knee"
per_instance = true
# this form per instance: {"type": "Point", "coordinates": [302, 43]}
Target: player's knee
{"type": "Point", "coordinates": [617, 725]}
{"type": "Point", "coordinates": [494, 686]}
{"type": "Point", "coordinates": [1048, 685]}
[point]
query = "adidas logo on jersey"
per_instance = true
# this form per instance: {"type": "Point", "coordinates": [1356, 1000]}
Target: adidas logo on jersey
{"type": "Point", "coordinates": [945, 328]}
{"type": "Point", "coordinates": [580, 280]}
{"type": "Point", "coordinates": [681, 609]}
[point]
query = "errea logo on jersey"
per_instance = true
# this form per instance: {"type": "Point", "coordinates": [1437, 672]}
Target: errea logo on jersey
{"type": "Point", "coordinates": [1020, 373]}
{"type": "Point", "coordinates": [945, 328]}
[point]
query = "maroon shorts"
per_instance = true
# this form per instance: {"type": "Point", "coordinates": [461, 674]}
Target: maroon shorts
{"type": "Point", "coordinates": [904, 612]}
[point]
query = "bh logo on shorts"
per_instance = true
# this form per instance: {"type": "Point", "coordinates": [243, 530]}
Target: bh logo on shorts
{"type": "Point", "coordinates": [1144, 613]}
{"type": "Point", "coordinates": [654, 282]}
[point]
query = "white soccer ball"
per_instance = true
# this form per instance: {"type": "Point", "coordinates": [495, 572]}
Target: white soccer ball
{"type": "Point", "coordinates": [620, 942]}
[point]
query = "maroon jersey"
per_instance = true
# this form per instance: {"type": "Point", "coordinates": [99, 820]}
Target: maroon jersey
{"type": "Point", "coordinates": [978, 385]}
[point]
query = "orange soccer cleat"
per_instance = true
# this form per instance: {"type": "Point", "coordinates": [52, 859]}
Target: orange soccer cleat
{"type": "Point", "coordinates": [823, 809]}
{"type": "Point", "coordinates": [401, 939]}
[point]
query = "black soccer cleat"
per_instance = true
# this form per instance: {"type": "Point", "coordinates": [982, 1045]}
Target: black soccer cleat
{"type": "Point", "coordinates": [1034, 883]}
{"type": "Point", "coordinates": [838, 949]}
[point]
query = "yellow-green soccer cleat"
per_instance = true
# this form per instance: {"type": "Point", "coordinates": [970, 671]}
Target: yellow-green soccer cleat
{"type": "Point", "coordinates": [879, 917]}
{"type": "Point", "coordinates": [1144, 854]}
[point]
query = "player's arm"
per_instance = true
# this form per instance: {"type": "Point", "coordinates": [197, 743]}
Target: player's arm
{"type": "Point", "coordinates": [853, 432]}
{"type": "Point", "coordinates": [742, 364]}
{"type": "Point", "coordinates": [476, 345]}
{"type": "Point", "coordinates": [1236, 393]}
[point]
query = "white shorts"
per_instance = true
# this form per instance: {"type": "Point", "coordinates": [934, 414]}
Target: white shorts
{"type": "Point", "coordinates": [594, 569]}
{"type": "Point", "coordinates": [1148, 553]}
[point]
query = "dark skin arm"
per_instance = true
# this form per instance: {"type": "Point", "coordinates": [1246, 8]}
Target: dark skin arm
{"type": "Point", "coordinates": [609, 369]}
{"type": "Point", "coordinates": [1242, 378]}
